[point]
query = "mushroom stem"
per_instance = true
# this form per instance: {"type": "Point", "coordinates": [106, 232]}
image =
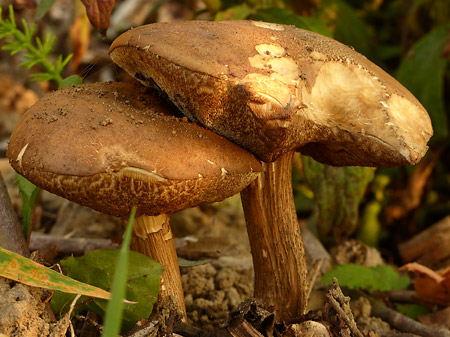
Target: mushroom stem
{"type": "Point", "coordinates": [153, 237]}
{"type": "Point", "coordinates": [275, 239]}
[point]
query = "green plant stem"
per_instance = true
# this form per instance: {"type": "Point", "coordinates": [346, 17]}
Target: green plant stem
{"type": "Point", "coordinates": [36, 51]}
{"type": "Point", "coordinates": [42, 60]}
{"type": "Point", "coordinates": [38, 56]}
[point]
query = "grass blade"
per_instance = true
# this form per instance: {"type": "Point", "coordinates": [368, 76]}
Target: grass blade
{"type": "Point", "coordinates": [114, 311]}
{"type": "Point", "coordinates": [29, 193]}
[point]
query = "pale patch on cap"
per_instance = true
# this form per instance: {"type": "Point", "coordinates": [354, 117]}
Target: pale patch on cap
{"type": "Point", "coordinates": [140, 174]}
{"type": "Point", "coordinates": [341, 91]}
{"type": "Point", "coordinates": [318, 56]}
{"type": "Point", "coordinates": [267, 25]}
{"type": "Point", "coordinates": [270, 50]}
{"type": "Point", "coordinates": [403, 112]}
{"type": "Point", "coordinates": [269, 96]}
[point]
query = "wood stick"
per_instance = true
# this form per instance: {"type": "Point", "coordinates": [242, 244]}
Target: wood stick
{"type": "Point", "coordinates": [404, 323]}
{"type": "Point", "coordinates": [65, 246]}
{"type": "Point", "coordinates": [11, 236]}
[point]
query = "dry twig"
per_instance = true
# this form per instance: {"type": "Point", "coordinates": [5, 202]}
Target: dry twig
{"type": "Point", "coordinates": [67, 246]}
{"type": "Point", "coordinates": [404, 323]}
{"type": "Point", "coordinates": [341, 304]}
{"type": "Point", "coordinates": [11, 236]}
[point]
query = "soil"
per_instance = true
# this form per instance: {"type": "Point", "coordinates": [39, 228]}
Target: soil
{"type": "Point", "coordinates": [212, 291]}
{"type": "Point", "coordinates": [25, 312]}
{"type": "Point", "coordinates": [216, 233]}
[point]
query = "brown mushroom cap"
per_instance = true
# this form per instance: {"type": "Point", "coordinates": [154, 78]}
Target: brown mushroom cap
{"type": "Point", "coordinates": [274, 88]}
{"type": "Point", "coordinates": [110, 146]}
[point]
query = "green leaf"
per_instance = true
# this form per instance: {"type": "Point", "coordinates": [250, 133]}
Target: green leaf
{"type": "Point", "coordinates": [31, 63]}
{"type": "Point", "coordinates": [412, 310]}
{"type": "Point", "coordinates": [114, 309]}
{"type": "Point", "coordinates": [393, 280]}
{"type": "Point", "coordinates": [18, 268]}
{"type": "Point", "coordinates": [338, 192]}
{"type": "Point", "coordinates": [239, 12]}
{"type": "Point", "coordinates": [97, 268]}
{"type": "Point", "coordinates": [213, 5]}
{"type": "Point", "coordinates": [12, 19]}
{"type": "Point", "coordinates": [370, 227]}
{"type": "Point", "coordinates": [423, 72]}
{"type": "Point", "coordinates": [354, 276]}
{"type": "Point", "coordinates": [29, 194]}
{"type": "Point", "coordinates": [62, 63]}
{"type": "Point", "coordinates": [43, 7]}
{"type": "Point", "coordinates": [28, 31]}
{"type": "Point", "coordinates": [283, 16]}
{"type": "Point", "coordinates": [13, 46]}
{"type": "Point", "coordinates": [349, 27]}
{"type": "Point", "coordinates": [71, 80]}
{"type": "Point", "coordinates": [41, 77]}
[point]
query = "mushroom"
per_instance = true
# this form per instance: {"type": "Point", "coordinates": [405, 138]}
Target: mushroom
{"type": "Point", "coordinates": [112, 146]}
{"type": "Point", "coordinates": [276, 89]}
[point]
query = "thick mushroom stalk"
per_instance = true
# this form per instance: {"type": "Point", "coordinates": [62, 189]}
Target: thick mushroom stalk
{"type": "Point", "coordinates": [112, 146]}
{"type": "Point", "coordinates": [152, 236]}
{"type": "Point", "coordinates": [275, 89]}
{"type": "Point", "coordinates": [276, 242]}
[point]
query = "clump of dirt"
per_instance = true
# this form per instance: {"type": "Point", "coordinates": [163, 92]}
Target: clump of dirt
{"type": "Point", "coordinates": [24, 312]}
{"type": "Point", "coordinates": [214, 289]}
{"type": "Point", "coordinates": [362, 308]}
{"type": "Point", "coordinates": [216, 233]}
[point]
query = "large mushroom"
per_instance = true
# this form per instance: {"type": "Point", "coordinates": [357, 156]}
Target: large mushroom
{"type": "Point", "coordinates": [276, 89]}
{"type": "Point", "coordinates": [112, 146]}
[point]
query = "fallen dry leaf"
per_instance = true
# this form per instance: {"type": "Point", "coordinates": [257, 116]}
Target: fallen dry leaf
{"type": "Point", "coordinates": [80, 36]}
{"type": "Point", "coordinates": [429, 247]}
{"type": "Point", "coordinates": [439, 318]}
{"type": "Point", "coordinates": [434, 286]}
{"type": "Point", "coordinates": [99, 13]}
{"type": "Point", "coordinates": [412, 195]}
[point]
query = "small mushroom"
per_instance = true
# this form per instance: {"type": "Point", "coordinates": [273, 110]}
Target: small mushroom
{"type": "Point", "coordinates": [276, 89]}
{"type": "Point", "coordinates": [112, 146]}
